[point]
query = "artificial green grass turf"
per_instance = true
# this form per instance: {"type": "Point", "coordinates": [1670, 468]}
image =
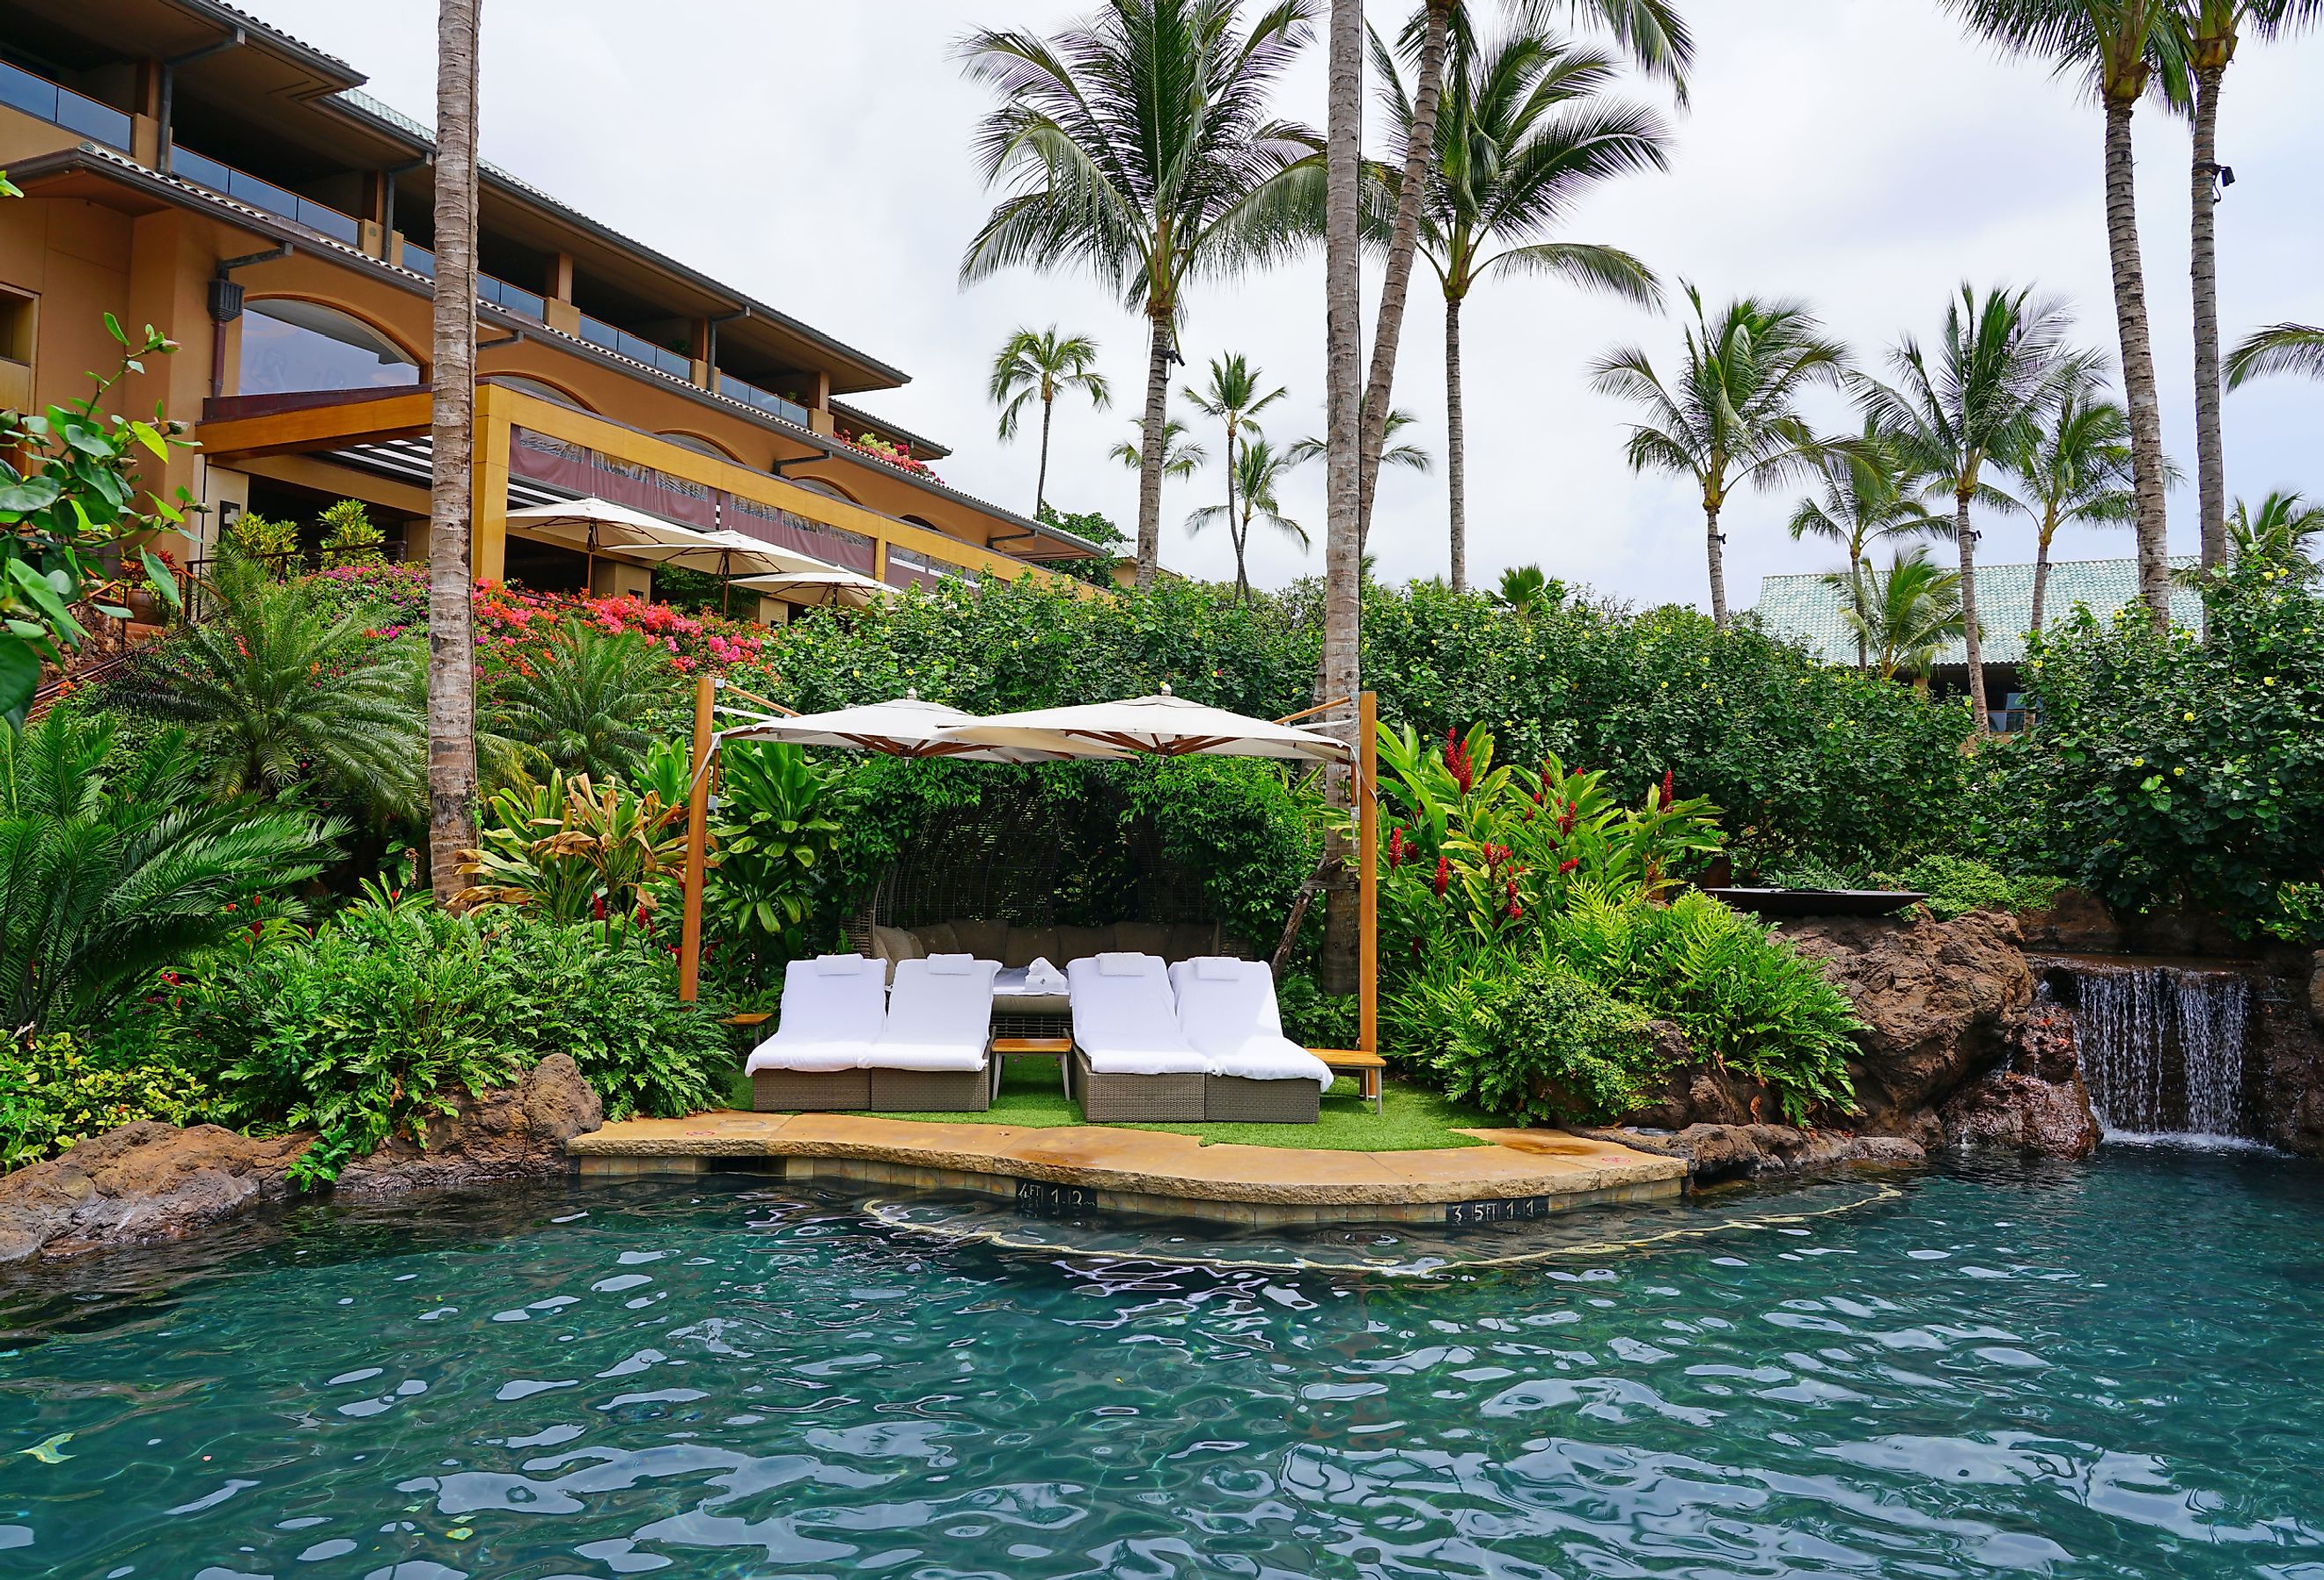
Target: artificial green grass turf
{"type": "Point", "coordinates": [1417, 1119]}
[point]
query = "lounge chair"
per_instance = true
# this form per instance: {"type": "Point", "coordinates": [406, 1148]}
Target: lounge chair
{"type": "Point", "coordinates": [1129, 1060]}
{"type": "Point", "coordinates": [930, 1056]}
{"type": "Point", "coordinates": [1257, 1076]}
{"type": "Point", "coordinates": [833, 1007]}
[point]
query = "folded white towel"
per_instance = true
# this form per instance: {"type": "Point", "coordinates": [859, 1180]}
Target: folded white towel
{"type": "Point", "coordinates": [951, 965]}
{"type": "Point", "coordinates": [1122, 964]}
{"type": "Point", "coordinates": [840, 965]}
{"type": "Point", "coordinates": [1041, 974]}
{"type": "Point", "coordinates": [1218, 968]}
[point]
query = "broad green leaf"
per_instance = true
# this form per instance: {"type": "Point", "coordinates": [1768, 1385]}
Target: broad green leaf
{"type": "Point", "coordinates": [20, 676]}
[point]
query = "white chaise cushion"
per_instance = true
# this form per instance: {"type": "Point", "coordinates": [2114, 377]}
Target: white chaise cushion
{"type": "Point", "coordinates": [939, 1017]}
{"type": "Point", "coordinates": [1228, 1011]}
{"type": "Point", "coordinates": [1124, 1019]}
{"type": "Point", "coordinates": [833, 1005]}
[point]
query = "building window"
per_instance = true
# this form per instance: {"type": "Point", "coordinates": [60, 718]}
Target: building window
{"type": "Point", "coordinates": [290, 346]}
{"type": "Point", "coordinates": [18, 318]}
{"type": "Point", "coordinates": [696, 443]}
{"type": "Point", "coordinates": [535, 387]}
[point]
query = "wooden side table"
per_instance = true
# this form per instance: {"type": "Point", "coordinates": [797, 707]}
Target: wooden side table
{"type": "Point", "coordinates": [1366, 1067]}
{"type": "Point", "coordinates": [1057, 1048]}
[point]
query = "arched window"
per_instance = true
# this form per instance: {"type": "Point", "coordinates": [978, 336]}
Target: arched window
{"type": "Point", "coordinates": [288, 346]}
{"type": "Point", "coordinates": [821, 486]}
{"type": "Point", "coordinates": [698, 445]}
{"type": "Point", "coordinates": [537, 387]}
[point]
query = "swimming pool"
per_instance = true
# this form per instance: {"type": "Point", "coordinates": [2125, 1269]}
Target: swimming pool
{"type": "Point", "coordinates": [2111, 1370]}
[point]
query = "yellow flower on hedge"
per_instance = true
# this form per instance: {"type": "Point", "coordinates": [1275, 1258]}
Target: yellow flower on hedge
{"type": "Point", "coordinates": [2267, 681]}
{"type": "Point", "coordinates": [2178, 773]}
{"type": "Point", "coordinates": [2138, 763]}
{"type": "Point", "coordinates": [2191, 715]}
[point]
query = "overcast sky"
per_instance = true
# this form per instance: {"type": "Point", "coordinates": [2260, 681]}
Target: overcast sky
{"type": "Point", "coordinates": [1860, 154]}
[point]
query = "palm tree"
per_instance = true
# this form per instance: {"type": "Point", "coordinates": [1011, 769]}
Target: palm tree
{"type": "Point", "coordinates": [1523, 134]}
{"type": "Point", "coordinates": [2213, 30]}
{"type": "Point", "coordinates": [1403, 457]}
{"type": "Point", "coordinates": [277, 690]}
{"type": "Point", "coordinates": [114, 863]}
{"type": "Point", "coordinates": [1039, 363]}
{"type": "Point", "coordinates": [2293, 348]}
{"type": "Point", "coordinates": [1258, 471]}
{"type": "Point", "coordinates": [1867, 496]}
{"type": "Point", "coordinates": [1732, 418]}
{"type": "Point", "coordinates": [582, 707]}
{"type": "Point", "coordinates": [1998, 372]}
{"type": "Point", "coordinates": [452, 433]}
{"type": "Point", "coordinates": [2127, 46]}
{"type": "Point", "coordinates": [2279, 532]}
{"type": "Point", "coordinates": [1904, 614]}
{"type": "Point", "coordinates": [2076, 471]}
{"type": "Point", "coordinates": [1523, 591]}
{"type": "Point", "coordinates": [1182, 457]}
{"type": "Point", "coordinates": [1137, 145]}
{"type": "Point", "coordinates": [1233, 400]}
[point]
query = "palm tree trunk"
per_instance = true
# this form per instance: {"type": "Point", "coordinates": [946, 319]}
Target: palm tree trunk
{"type": "Point", "coordinates": [1241, 547]}
{"type": "Point", "coordinates": [1395, 272]}
{"type": "Point", "coordinates": [1856, 580]}
{"type": "Point", "coordinates": [1041, 483]}
{"type": "Point", "coordinates": [1969, 637]}
{"type": "Point", "coordinates": [1231, 517]}
{"type": "Point", "coordinates": [1149, 448]}
{"type": "Point", "coordinates": [2138, 367]}
{"type": "Point", "coordinates": [1456, 446]}
{"type": "Point", "coordinates": [2042, 570]}
{"type": "Point", "coordinates": [1343, 537]}
{"type": "Point", "coordinates": [1716, 543]}
{"type": "Point", "coordinates": [452, 432]}
{"type": "Point", "coordinates": [2211, 454]}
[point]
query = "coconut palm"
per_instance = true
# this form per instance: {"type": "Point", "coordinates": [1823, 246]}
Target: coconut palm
{"type": "Point", "coordinates": [1403, 457]}
{"type": "Point", "coordinates": [1037, 364]}
{"type": "Point", "coordinates": [1999, 370]}
{"type": "Point", "coordinates": [2215, 28]}
{"type": "Point", "coordinates": [114, 863]}
{"type": "Point", "coordinates": [2128, 48]}
{"type": "Point", "coordinates": [1867, 494]}
{"type": "Point", "coordinates": [2076, 469]}
{"type": "Point", "coordinates": [1260, 469]}
{"type": "Point", "coordinates": [1182, 457]}
{"type": "Point", "coordinates": [2281, 530]}
{"type": "Point", "coordinates": [452, 435]}
{"type": "Point", "coordinates": [1731, 419]}
{"type": "Point", "coordinates": [1523, 132]}
{"type": "Point", "coordinates": [2293, 348]}
{"type": "Point", "coordinates": [1137, 145]}
{"type": "Point", "coordinates": [582, 706]}
{"type": "Point", "coordinates": [1902, 614]}
{"type": "Point", "coordinates": [278, 688]}
{"type": "Point", "coordinates": [1233, 400]}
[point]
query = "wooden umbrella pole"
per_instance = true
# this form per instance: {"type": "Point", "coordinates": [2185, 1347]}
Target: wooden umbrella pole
{"type": "Point", "coordinates": [1368, 874]}
{"type": "Point", "coordinates": [697, 819]}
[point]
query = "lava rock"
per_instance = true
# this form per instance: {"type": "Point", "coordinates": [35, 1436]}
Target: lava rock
{"type": "Point", "coordinates": [2052, 1119]}
{"type": "Point", "coordinates": [2316, 990]}
{"type": "Point", "coordinates": [1713, 1152]}
{"type": "Point", "coordinates": [516, 1132]}
{"type": "Point", "coordinates": [143, 1182]}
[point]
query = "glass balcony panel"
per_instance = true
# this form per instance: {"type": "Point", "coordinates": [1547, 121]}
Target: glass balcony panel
{"type": "Point", "coordinates": [37, 96]}
{"type": "Point", "coordinates": [419, 259]}
{"type": "Point", "coordinates": [501, 293]}
{"type": "Point", "coordinates": [766, 401]}
{"type": "Point", "coordinates": [244, 187]}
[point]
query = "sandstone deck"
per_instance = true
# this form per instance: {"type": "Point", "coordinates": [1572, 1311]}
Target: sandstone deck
{"type": "Point", "coordinates": [1520, 1173]}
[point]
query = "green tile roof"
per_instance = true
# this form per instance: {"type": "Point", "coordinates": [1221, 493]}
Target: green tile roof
{"type": "Point", "coordinates": [1805, 608]}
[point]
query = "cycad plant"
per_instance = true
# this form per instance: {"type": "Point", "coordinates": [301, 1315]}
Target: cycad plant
{"type": "Point", "coordinates": [1998, 371]}
{"type": "Point", "coordinates": [1140, 146]}
{"type": "Point", "coordinates": [581, 702]}
{"type": "Point", "coordinates": [2294, 348]}
{"type": "Point", "coordinates": [1869, 496]}
{"type": "Point", "coordinates": [1730, 418]}
{"type": "Point", "coordinates": [1040, 365]}
{"type": "Point", "coordinates": [1902, 614]}
{"type": "Point", "coordinates": [1523, 132]}
{"type": "Point", "coordinates": [1257, 475]}
{"type": "Point", "coordinates": [279, 689]}
{"type": "Point", "coordinates": [114, 863]}
{"type": "Point", "coordinates": [2076, 471]}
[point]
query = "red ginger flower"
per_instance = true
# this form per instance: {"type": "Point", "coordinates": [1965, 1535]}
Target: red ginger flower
{"type": "Point", "coordinates": [1667, 788]}
{"type": "Point", "coordinates": [1444, 875]}
{"type": "Point", "coordinates": [1567, 865]}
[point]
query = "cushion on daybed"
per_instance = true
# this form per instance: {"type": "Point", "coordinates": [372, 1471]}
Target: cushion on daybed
{"type": "Point", "coordinates": [939, 1018]}
{"type": "Point", "coordinates": [1228, 1011]}
{"type": "Point", "coordinates": [1125, 1021]}
{"type": "Point", "coordinates": [833, 1005]}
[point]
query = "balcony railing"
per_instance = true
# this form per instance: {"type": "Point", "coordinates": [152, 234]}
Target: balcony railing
{"type": "Point", "coordinates": [598, 332]}
{"type": "Point", "coordinates": [244, 187]}
{"type": "Point", "coordinates": [489, 287]}
{"type": "Point", "coordinates": [766, 401]}
{"type": "Point", "coordinates": [61, 106]}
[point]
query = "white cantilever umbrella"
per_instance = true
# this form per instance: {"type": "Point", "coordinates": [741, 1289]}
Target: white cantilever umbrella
{"type": "Point", "coordinates": [727, 552]}
{"type": "Point", "coordinates": [596, 526]}
{"type": "Point", "coordinates": [908, 727]}
{"type": "Point", "coordinates": [844, 588]}
{"type": "Point", "coordinates": [1164, 726]}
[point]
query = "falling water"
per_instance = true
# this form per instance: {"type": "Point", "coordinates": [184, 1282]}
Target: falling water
{"type": "Point", "coordinates": [2163, 1048]}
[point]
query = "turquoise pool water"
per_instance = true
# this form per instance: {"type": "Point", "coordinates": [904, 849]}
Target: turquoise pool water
{"type": "Point", "coordinates": [2112, 1369]}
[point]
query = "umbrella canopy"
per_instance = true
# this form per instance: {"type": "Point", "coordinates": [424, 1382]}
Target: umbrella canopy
{"type": "Point", "coordinates": [910, 727]}
{"type": "Point", "coordinates": [727, 552]}
{"type": "Point", "coordinates": [1167, 726]}
{"type": "Point", "coordinates": [844, 588]}
{"type": "Point", "coordinates": [598, 526]}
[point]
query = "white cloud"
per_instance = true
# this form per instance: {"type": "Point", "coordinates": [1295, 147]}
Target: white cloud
{"type": "Point", "coordinates": [1862, 155]}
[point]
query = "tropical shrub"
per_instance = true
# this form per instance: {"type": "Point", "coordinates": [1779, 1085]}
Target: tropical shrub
{"type": "Point", "coordinates": [271, 545]}
{"type": "Point", "coordinates": [1313, 1018]}
{"type": "Point", "coordinates": [614, 1006]}
{"type": "Point", "coordinates": [1529, 1039]}
{"type": "Point", "coordinates": [779, 819]}
{"type": "Point", "coordinates": [113, 863]}
{"type": "Point", "coordinates": [55, 1094]}
{"type": "Point", "coordinates": [393, 597]}
{"type": "Point", "coordinates": [512, 623]}
{"type": "Point", "coordinates": [349, 536]}
{"type": "Point", "coordinates": [1955, 885]}
{"type": "Point", "coordinates": [576, 850]}
{"type": "Point", "coordinates": [2165, 771]}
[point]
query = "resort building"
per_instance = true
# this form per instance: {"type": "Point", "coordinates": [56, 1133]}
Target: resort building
{"type": "Point", "coordinates": [186, 166]}
{"type": "Point", "coordinates": [1806, 609]}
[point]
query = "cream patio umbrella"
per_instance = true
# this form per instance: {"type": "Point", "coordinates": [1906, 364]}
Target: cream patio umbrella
{"type": "Point", "coordinates": [597, 526]}
{"type": "Point", "coordinates": [908, 726]}
{"type": "Point", "coordinates": [1163, 725]}
{"type": "Point", "coordinates": [845, 588]}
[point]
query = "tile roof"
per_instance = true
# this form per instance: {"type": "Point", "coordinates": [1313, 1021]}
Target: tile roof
{"type": "Point", "coordinates": [1806, 609]}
